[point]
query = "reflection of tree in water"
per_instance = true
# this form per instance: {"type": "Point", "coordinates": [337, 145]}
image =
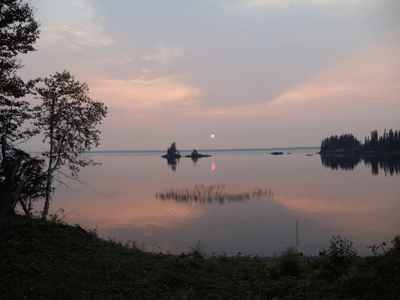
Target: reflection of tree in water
{"type": "Point", "coordinates": [389, 163]}
{"type": "Point", "coordinates": [335, 162]}
{"type": "Point", "coordinates": [172, 163]}
{"type": "Point", "coordinates": [202, 194]}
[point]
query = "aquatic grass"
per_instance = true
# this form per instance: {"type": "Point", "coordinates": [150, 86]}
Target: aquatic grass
{"type": "Point", "coordinates": [52, 260]}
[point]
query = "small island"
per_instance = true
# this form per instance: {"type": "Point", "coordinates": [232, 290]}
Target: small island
{"type": "Point", "coordinates": [277, 153]}
{"type": "Point", "coordinates": [173, 154]}
{"type": "Point", "coordinates": [196, 155]}
{"type": "Point", "coordinates": [374, 146]}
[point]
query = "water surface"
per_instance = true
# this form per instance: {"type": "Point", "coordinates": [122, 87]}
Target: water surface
{"type": "Point", "coordinates": [120, 201]}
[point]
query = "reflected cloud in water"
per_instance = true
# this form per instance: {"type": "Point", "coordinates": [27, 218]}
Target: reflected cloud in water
{"type": "Point", "coordinates": [209, 194]}
{"type": "Point", "coordinates": [390, 164]}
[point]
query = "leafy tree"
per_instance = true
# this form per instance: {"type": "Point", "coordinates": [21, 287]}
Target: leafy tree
{"type": "Point", "coordinates": [28, 181]}
{"type": "Point", "coordinates": [68, 118]}
{"type": "Point", "coordinates": [18, 32]}
{"type": "Point", "coordinates": [13, 113]}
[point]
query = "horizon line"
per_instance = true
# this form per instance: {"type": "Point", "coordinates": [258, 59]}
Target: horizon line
{"type": "Point", "coordinates": [206, 150]}
{"type": "Point", "coordinates": [210, 150]}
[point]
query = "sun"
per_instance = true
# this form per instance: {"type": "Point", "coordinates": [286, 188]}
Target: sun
{"type": "Point", "coordinates": [212, 136]}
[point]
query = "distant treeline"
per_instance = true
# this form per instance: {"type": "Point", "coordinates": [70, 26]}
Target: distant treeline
{"type": "Point", "coordinates": [389, 141]}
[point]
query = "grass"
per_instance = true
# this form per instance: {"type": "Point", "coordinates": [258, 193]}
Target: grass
{"type": "Point", "coordinates": [53, 260]}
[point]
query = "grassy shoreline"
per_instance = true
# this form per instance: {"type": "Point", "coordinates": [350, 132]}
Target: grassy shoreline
{"type": "Point", "coordinates": [53, 260]}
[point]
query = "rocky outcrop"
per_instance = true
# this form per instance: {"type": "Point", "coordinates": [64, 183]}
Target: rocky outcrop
{"type": "Point", "coordinates": [276, 153]}
{"type": "Point", "coordinates": [196, 155]}
{"type": "Point", "coordinates": [172, 153]}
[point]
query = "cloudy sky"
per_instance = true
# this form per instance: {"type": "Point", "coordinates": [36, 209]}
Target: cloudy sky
{"type": "Point", "coordinates": [255, 73]}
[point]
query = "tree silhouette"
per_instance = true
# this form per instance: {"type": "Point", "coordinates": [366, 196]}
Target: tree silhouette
{"type": "Point", "coordinates": [18, 33]}
{"type": "Point", "coordinates": [68, 118]}
{"type": "Point", "coordinates": [388, 142]}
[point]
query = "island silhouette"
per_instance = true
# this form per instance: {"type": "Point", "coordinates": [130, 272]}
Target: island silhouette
{"type": "Point", "coordinates": [374, 146]}
{"type": "Point", "coordinates": [173, 155]}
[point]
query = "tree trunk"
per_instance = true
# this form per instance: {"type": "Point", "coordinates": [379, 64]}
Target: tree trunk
{"type": "Point", "coordinates": [16, 194]}
{"type": "Point", "coordinates": [50, 169]}
{"type": "Point", "coordinates": [9, 183]}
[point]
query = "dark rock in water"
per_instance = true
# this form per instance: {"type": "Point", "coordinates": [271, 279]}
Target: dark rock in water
{"type": "Point", "coordinates": [309, 154]}
{"type": "Point", "coordinates": [195, 155]}
{"type": "Point", "coordinates": [277, 153]}
{"type": "Point", "coordinates": [288, 153]}
{"type": "Point", "coordinates": [173, 155]}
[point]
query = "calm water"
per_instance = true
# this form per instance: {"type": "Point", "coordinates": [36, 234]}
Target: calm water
{"type": "Point", "coordinates": [247, 201]}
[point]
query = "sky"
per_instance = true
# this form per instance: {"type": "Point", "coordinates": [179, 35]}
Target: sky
{"type": "Point", "coordinates": [254, 73]}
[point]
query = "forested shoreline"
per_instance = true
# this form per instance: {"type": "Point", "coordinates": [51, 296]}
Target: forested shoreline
{"type": "Point", "coordinates": [389, 142]}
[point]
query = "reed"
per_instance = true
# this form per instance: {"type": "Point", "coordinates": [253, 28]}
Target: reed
{"type": "Point", "coordinates": [217, 193]}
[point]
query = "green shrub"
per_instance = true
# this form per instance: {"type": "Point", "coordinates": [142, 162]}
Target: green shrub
{"type": "Point", "coordinates": [289, 263]}
{"type": "Point", "coordinates": [198, 252]}
{"type": "Point", "coordinates": [395, 251]}
{"type": "Point", "coordinates": [360, 282]}
{"type": "Point", "coordinates": [338, 258]}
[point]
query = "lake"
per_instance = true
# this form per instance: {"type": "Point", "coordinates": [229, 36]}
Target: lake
{"type": "Point", "coordinates": [235, 201]}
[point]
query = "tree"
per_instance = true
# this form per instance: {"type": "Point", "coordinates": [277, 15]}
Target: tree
{"type": "Point", "coordinates": [68, 118]}
{"type": "Point", "coordinates": [171, 151]}
{"type": "Point", "coordinates": [18, 32]}
{"type": "Point", "coordinates": [27, 179]}
{"type": "Point", "coordinates": [13, 113]}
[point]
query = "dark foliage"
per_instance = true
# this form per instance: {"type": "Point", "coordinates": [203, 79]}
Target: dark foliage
{"type": "Point", "coordinates": [18, 33]}
{"type": "Point", "coordinates": [389, 141]}
{"type": "Point", "coordinates": [42, 259]}
{"type": "Point", "coordinates": [344, 141]}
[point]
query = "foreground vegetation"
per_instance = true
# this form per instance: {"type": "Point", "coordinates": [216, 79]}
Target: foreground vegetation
{"type": "Point", "coordinates": [42, 259]}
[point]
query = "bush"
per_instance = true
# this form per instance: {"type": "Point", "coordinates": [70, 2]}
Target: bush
{"type": "Point", "coordinates": [289, 263]}
{"type": "Point", "coordinates": [338, 258]}
{"type": "Point", "coordinates": [198, 252]}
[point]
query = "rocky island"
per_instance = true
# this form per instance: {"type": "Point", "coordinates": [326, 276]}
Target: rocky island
{"type": "Point", "coordinates": [196, 155]}
{"type": "Point", "coordinates": [277, 153]}
{"type": "Point", "coordinates": [173, 154]}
